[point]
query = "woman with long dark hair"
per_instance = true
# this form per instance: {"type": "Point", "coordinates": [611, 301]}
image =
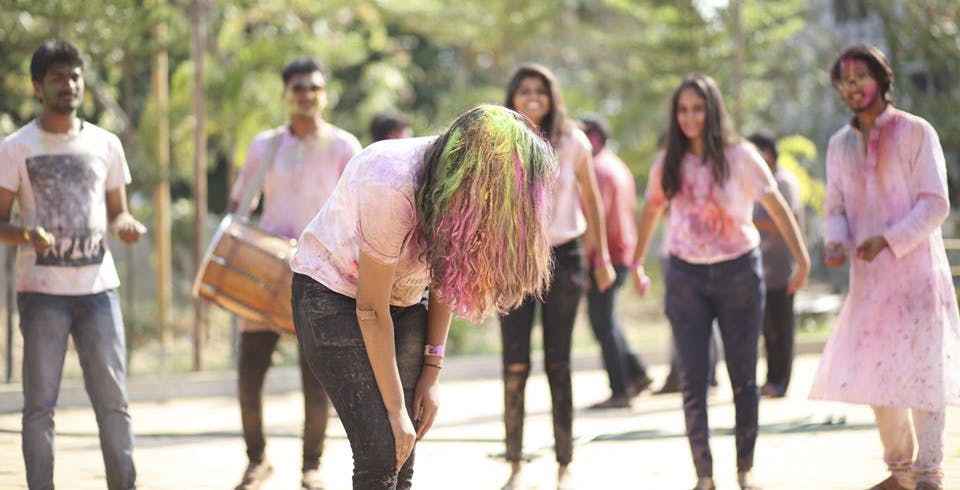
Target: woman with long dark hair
{"type": "Point", "coordinates": [711, 179]}
{"type": "Point", "coordinates": [534, 92]}
{"type": "Point", "coordinates": [464, 213]}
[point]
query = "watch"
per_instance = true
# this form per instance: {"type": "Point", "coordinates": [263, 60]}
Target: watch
{"type": "Point", "coordinates": [433, 350]}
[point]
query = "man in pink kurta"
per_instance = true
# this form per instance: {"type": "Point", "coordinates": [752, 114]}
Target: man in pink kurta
{"type": "Point", "coordinates": [305, 158]}
{"type": "Point", "coordinates": [895, 343]}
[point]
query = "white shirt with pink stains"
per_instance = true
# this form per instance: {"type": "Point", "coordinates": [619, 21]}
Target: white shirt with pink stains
{"type": "Point", "coordinates": [566, 216]}
{"type": "Point", "coordinates": [303, 172]}
{"type": "Point", "coordinates": [895, 342]}
{"type": "Point", "coordinates": [712, 222]}
{"type": "Point", "coordinates": [373, 209]}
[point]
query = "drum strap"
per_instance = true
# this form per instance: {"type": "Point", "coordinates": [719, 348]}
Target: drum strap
{"type": "Point", "coordinates": [254, 186]}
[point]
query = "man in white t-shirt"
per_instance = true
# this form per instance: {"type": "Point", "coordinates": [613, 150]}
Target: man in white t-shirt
{"type": "Point", "coordinates": [68, 177]}
{"type": "Point", "coordinates": [306, 157]}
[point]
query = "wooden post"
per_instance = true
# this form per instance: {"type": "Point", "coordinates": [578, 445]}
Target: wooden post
{"type": "Point", "coordinates": [197, 9]}
{"type": "Point", "coordinates": [736, 7]}
{"type": "Point", "coordinates": [161, 193]}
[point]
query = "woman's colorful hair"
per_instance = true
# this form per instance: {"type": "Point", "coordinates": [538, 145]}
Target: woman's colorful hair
{"type": "Point", "coordinates": [483, 204]}
{"type": "Point", "coordinates": [556, 121]}
{"type": "Point", "coordinates": [717, 135]}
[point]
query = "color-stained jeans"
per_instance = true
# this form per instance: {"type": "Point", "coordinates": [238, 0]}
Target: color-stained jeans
{"type": "Point", "coordinates": [731, 292]}
{"type": "Point", "coordinates": [623, 365]}
{"type": "Point", "coordinates": [96, 324]}
{"type": "Point", "coordinates": [256, 351]}
{"type": "Point", "coordinates": [559, 309]}
{"type": "Point", "coordinates": [333, 347]}
{"type": "Point", "coordinates": [897, 435]}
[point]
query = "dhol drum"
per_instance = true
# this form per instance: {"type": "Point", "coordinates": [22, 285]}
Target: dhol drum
{"type": "Point", "coordinates": [246, 271]}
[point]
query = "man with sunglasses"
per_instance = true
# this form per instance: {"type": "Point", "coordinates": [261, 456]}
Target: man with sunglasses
{"type": "Point", "coordinates": [896, 343]}
{"type": "Point", "coordinates": [305, 157]}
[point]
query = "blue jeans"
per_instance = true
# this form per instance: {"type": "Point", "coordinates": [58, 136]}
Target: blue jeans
{"type": "Point", "coordinates": [623, 365]}
{"type": "Point", "coordinates": [96, 324]}
{"type": "Point", "coordinates": [332, 345]}
{"type": "Point", "coordinates": [731, 292]}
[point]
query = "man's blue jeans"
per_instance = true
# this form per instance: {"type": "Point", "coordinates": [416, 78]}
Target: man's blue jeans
{"type": "Point", "coordinates": [96, 324]}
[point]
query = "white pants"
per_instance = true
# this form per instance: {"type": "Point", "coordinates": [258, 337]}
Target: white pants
{"type": "Point", "coordinates": [897, 434]}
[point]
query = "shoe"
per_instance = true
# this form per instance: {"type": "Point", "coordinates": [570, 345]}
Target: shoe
{"type": "Point", "coordinates": [615, 401]}
{"type": "Point", "coordinates": [516, 480]}
{"type": "Point", "coordinates": [771, 391]}
{"type": "Point", "coordinates": [745, 480]}
{"type": "Point", "coordinates": [312, 480]}
{"type": "Point", "coordinates": [705, 483]}
{"type": "Point", "coordinates": [256, 473]}
{"type": "Point", "coordinates": [639, 385]}
{"type": "Point", "coordinates": [890, 484]}
{"type": "Point", "coordinates": [926, 485]}
{"type": "Point", "coordinates": [669, 386]}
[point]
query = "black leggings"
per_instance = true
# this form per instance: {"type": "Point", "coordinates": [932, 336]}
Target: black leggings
{"type": "Point", "coordinates": [256, 349]}
{"type": "Point", "coordinates": [559, 309]}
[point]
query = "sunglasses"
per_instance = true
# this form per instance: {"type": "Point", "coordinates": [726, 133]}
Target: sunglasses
{"type": "Point", "coordinates": [306, 87]}
{"type": "Point", "coordinates": [858, 80]}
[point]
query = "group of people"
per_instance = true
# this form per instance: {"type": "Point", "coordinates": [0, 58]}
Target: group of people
{"type": "Point", "coordinates": [511, 207]}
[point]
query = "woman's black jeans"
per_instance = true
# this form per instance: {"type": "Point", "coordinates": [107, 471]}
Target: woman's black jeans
{"type": "Point", "coordinates": [333, 347]}
{"type": "Point", "coordinates": [731, 292]}
{"type": "Point", "coordinates": [559, 308]}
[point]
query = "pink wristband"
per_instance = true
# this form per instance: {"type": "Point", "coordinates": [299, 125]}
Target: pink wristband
{"type": "Point", "coordinates": [433, 350]}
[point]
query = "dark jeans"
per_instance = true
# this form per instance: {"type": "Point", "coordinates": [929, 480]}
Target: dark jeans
{"type": "Point", "coordinates": [256, 351]}
{"type": "Point", "coordinates": [623, 365]}
{"type": "Point", "coordinates": [96, 324]}
{"type": "Point", "coordinates": [731, 292]}
{"type": "Point", "coordinates": [333, 347]}
{"type": "Point", "coordinates": [778, 338]}
{"type": "Point", "coordinates": [673, 377]}
{"type": "Point", "coordinates": [559, 309]}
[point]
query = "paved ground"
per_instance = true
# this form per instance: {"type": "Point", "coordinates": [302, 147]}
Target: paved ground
{"type": "Point", "coordinates": [194, 443]}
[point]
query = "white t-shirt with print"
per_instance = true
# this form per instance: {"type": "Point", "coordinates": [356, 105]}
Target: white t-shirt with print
{"type": "Point", "coordinates": [61, 180]}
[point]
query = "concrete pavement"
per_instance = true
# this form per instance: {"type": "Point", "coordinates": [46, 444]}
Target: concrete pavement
{"type": "Point", "coordinates": [194, 442]}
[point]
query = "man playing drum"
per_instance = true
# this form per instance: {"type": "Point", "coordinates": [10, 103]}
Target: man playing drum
{"type": "Point", "coordinates": [306, 158]}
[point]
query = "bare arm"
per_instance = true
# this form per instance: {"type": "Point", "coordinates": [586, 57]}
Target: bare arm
{"type": "Point", "coordinates": [777, 208]}
{"type": "Point", "coordinates": [426, 398]}
{"type": "Point", "coordinates": [121, 221]}
{"type": "Point", "coordinates": [596, 227]}
{"type": "Point", "coordinates": [649, 217]}
{"type": "Point", "coordinates": [376, 327]}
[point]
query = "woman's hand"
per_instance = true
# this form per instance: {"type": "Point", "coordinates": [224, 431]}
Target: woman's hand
{"type": "Point", "coordinates": [640, 280]}
{"type": "Point", "coordinates": [798, 278]}
{"type": "Point", "coordinates": [604, 274]}
{"type": "Point", "coordinates": [426, 399]}
{"type": "Point", "coordinates": [404, 435]}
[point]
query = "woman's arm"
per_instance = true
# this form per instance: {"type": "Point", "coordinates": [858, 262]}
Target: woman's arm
{"type": "Point", "coordinates": [376, 327]}
{"type": "Point", "coordinates": [426, 399]}
{"type": "Point", "coordinates": [649, 217]}
{"type": "Point", "coordinates": [777, 208]}
{"type": "Point", "coordinates": [604, 273]}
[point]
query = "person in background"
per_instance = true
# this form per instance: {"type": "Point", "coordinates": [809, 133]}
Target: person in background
{"type": "Point", "coordinates": [534, 92]}
{"type": "Point", "coordinates": [306, 157]}
{"type": "Point", "coordinates": [69, 178]}
{"type": "Point", "coordinates": [778, 319]}
{"type": "Point", "coordinates": [388, 125]}
{"type": "Point", "coordinates": [711, 179]}
{"type": "Point", "coordinates": [896, 343]}
{"type": "Point", "coordinates": [618, 193]}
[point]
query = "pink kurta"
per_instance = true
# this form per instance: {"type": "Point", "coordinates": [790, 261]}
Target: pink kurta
{"type": "Point", "coordinates": [895, 342]}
